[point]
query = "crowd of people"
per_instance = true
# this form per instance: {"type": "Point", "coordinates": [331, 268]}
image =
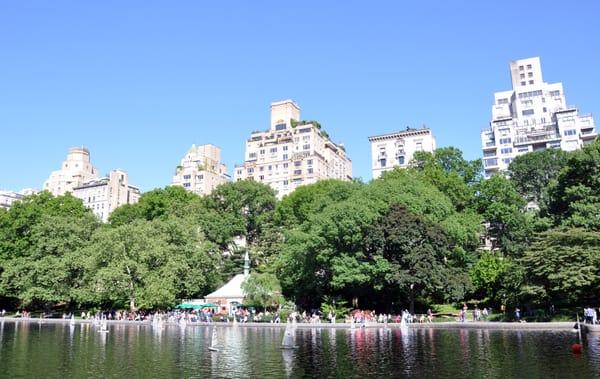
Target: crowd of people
{"type": "Point", "coordinates": [590, 315]}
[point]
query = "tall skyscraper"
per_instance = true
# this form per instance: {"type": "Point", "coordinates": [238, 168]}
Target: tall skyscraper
{"type": "Point", "coordinates": [76, 170]}
{"type": "Point", "coordinates": [397, 149]}
{"type": "Point", "coordinates": [292, 152]}
{"type": "Point", "coordinates": [201, 170]}
{"type": "Point", "coordinates": [533, 116]}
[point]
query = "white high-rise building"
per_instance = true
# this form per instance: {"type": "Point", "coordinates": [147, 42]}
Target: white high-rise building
{"type": "Point", "coordinates": [533, 116]}
{"type": "Point", "coordinates": [397, 149]}
{"type": "Point", "coordinates": [201, 170]}
{"type": "Point", "coordinates": [106, 194]}
{"type": "Point", "coordinates": [76, 170]}
{"type": "Point", "coordinates": [292, 153]}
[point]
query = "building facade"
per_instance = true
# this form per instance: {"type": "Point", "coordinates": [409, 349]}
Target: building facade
{"type": "Point", "coordinates": [106, 194]}
{"type": "Point", "coordinates": [397, 149]}
{"type": "Point", "coordinates": [292, 153]}
{"type": "Point", "coordinates": [201, 170]}
{"type": "Point", "coordinates": [533, 116]}
{"type": "Point", "coordinates": [7, 198]}
{"type": "Point", "coordinates": [74, 171]}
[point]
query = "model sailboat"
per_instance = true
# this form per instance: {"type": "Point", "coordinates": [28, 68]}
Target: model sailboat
{"type": "Point", "coordinates": [289, 338]}
{"type": "Point", "coordinates": [213, 340]}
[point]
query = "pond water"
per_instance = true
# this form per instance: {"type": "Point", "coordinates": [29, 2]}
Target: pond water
{"type": "Point", "coordinates": [50, 350]}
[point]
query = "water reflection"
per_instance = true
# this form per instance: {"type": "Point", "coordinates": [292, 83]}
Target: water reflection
{"type": "Point", "coordinates": [55, 350]}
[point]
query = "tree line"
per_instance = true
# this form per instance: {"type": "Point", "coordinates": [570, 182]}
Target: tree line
{"type": "Point", "coordinates": [408, 239]}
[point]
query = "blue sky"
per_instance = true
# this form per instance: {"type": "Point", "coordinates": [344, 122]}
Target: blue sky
{"type": "Point", "coordinates": [139, 82]}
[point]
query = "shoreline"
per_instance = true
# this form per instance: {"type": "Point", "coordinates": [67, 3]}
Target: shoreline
{"type": "Point", "coordinates": [488, 325]}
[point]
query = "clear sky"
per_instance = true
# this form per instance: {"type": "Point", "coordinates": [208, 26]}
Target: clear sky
{"type": "Point", "coordinates": [139, 82]}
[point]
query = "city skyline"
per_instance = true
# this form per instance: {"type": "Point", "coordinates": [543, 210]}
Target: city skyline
{"type": "Point", "coordinates": [160, 79]}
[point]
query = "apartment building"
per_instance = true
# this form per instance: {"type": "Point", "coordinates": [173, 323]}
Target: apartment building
{"type": "Point", "coordinates": [75, 170]}
{"type": "Point", "coordinates": [201, 170]}
{"type": "Point", "coordinates": [533, 116]}
{"type": "Point", "coordinates": [397, 149]}
{"type": "Point", "coordinates": [292, 152]}
{"type": "Point", "coordinates": [106, 194]}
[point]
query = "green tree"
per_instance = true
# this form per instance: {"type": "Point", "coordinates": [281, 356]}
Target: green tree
{"type": "Point", "coordinates": [249, 203]}
{"type": "Point", "coordinates": [563, 265]}
{"type": "Point", "coordinates": [534, 172]}
{"type": "Point", "coordinates": [502, 207]}
{"type": "Point", "coordinates": [149, 264]}
{"type": "Point", "coordinates": [450, 173]}
{"type": "Point", "coordinates": [158, 204]}
{"type": "Point", "coordinates": [262, 290]}
{"type": "Point", "coordinates": [575, 199]}
{"type": "Point", "coordinates": [488, 273]}
{"type": "Point", "coordinates": [415, 250]}
{"type": "Point", "coordinates": [39, 238]}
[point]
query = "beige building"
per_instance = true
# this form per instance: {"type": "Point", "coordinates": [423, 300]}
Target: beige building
{"type": "Point", "coordinates": [532, 116]}
{"type": "Point", "coordinates": [201, 170]}
{"type": "Point", "coordinates": [8, 198]}
{"type": "Point", "coordinates": [74, 171]}
{"type": "Point", "coordinates": [292, 153]}
{"type": "Point", "coordinates": [397, 149]}
{"type": "Point", "coordinates": [106, 194]}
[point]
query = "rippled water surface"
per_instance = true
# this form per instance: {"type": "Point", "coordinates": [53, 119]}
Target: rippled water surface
{"type": "Point", "coordinates": [48, 350]}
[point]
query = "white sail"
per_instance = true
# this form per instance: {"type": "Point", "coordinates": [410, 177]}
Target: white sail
{"type": "Point", "coordinates": [213, 340]}
{"type": "Point", "coordinates": [288, 338]}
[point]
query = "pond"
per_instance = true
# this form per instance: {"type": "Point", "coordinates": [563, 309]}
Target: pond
{"type": "Point", "coordinates": [55, 350]}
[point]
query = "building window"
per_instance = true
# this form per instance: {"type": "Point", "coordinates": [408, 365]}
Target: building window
{"type": "Point", "coordinates": [309, 162]}
{"type": "Point", "coordinates": [401, 160]}
{"type": "Point", "coordinates": [507, 161]}
{"type": "Point", "coordinates": [297, 163]}
{"type": "Point", "coordinates": [530, 74]}
{"type": "Point", "coordinates": [555, 93]}
{"type": "Point", "coordinates": [297, 172]}
{"type": "Point", "coordinates": [285, 165]}
{"type": "Point", "coordinates": [504, 141]}
{"type": "Point", "coordinates": [490, 162]}
{"type": "Point", "coordinates": [252, 155]}
{"type": "Point", "coordinates": [202, 176]}
{"type": "Point", "coordinates": [520, 68]}
{"type": "Point", "coordinates": [285, 156]}
{"type": "Point", "coordinates": [531, 82]}
{"type": "Point", "coordinates": [273, 150]}
{"type": "Point", "coordinates": [186, 185]}
{"type": "Point", "coordinates": [523, 150]}
{"type": "Point", "coordinates": [285, 148]}
{"type": "Point", "coordinates": [305, 130]}
{"type": "Point", "coordinates": [528, 112]}
{"type": "Point", "coordinates": [285, 182]}
{"type": "Point", "coordinates": [529, 67]}
{"type": "Point", "coordinates": [306, 147]}
{"type": "Point", "coordinates": [522, 76]}
{"type": "Point", "coordinates": [506, 150]}
{"type": "Point", "coordinates": [502, 101]}
{"type": "Point", "coordinates": [187, 176]}
{"type": "Point", "coordinates": [280, 127]}
{"type": "Point", "coordinates": [570, 132]}
{"type": "Point", "coordinates": [522, 83]}
{"type": "Point", "coordinates": [310, 170]}
{"type": "Point", "coordinates": [419, 146]}
{"type": "Point", "coordinates": [261, 177]}
{"type": "Point", "coordinates": [250, 170]}
{"type": "Point", "coordinates": [382, 162]}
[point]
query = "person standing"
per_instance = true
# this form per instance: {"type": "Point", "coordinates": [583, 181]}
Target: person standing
{"type": "Point", "coordinates": [517, 314]}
